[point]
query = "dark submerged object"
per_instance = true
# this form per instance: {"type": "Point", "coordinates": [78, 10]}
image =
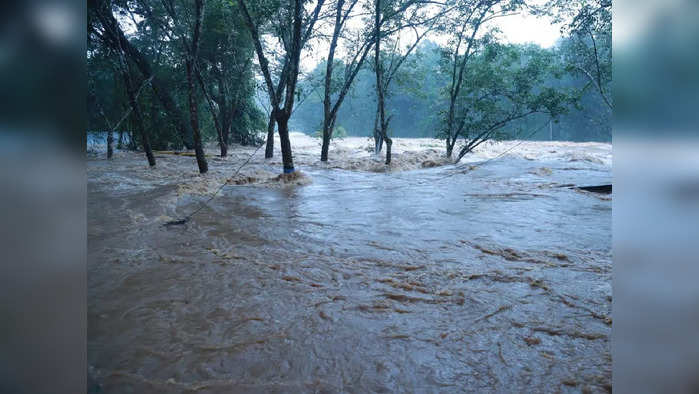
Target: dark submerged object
{"type": "Point", "coordinates": [602, 189]}
{"type": "Point", "coordinates": [176, 222]}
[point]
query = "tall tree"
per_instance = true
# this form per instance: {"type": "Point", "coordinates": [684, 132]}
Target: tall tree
{"type": "Point", "coordinates": [136, 112]}
{"type": "Point", "coordinates": [396, 17]}
{"type": "Point", "coordinates": [224, 71]}
{"type": "Point", "coordinates": [112, 29]}
{"type": "Point", "coordinates": [464, 24]}
{"type": "Point", "coordinates": [292, 27]}
{"type": "Point", "coordinates": [190, 40]}
{"type": "Point", "coordinates": [356, 57]}
{"type": "Point", "coordinates": [191, 64]}
{"type": "Point", "coordinates": [504, 84]}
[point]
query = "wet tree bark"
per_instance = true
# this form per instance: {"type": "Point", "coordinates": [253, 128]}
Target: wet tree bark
{"type": "Point", "coordinates": [458, 66]}
{"type": "Point", "coordinates": [110, 144]}
{"type": "Point", "coordinates": [224, 110]}
{"type": "Point", "coordinates": [379, 83]}
{"type": "Point", "coordinates": [352, 68]}
{"type": "Point", "coordinates": [450, 146]}
{"type": "Point", "coordinates": [269, 149]}
{"type": "Point", "coordinates": [283, 126]}
{"type": "Point", "coordinates": [226, 125]}
{"type": "Point", "coordinates": [191, 63]}
{"type": "Point", "coordinates": [138, 119]}
{"type": "Point", "coordinates": [328, 121]}
{"type": "Point", "coordinates": [219, 132]}
{"type": "Point", "coordinates": [328, 127]}
{"type": "Point", "coordinates": [290, 72]}
{"type": "Point", "coordinates": [378, 140]}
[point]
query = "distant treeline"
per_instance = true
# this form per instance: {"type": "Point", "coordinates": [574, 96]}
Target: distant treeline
{"type": "Point", "coordinates": [416, 102]}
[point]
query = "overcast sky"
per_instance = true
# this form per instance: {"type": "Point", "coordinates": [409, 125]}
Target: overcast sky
{"type": "Point", "coordinates": [516, 29]}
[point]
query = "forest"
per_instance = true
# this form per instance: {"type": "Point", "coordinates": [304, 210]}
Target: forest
{"type": "Point", "coordinates": [175, 75]}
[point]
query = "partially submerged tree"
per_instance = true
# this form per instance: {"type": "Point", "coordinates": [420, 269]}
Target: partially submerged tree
{"type": "Point", "coordinates": [157, 42]}
{"type": "Point", "coordinates": [224, 72]}
{"type": "Point", "coordinates": [102, 12]}
{"type": "Point", "coordinates": [291, 26]}
{"type": "Point", "coordinates": [391, 18]}
{"type": "Point", "coordinates": [463, 26]}
{"type": "Point", "coordinates": [334, 87]}
{"type": "Point", "coordinates": [191, 64]}
{"type": "Point", "coordinates": [503, 84]}
{"type": "Point", "coordinates": [135, 110]}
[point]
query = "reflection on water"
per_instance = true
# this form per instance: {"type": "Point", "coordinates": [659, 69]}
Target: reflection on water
{"type": "Point", "coordinates": [436, 280]}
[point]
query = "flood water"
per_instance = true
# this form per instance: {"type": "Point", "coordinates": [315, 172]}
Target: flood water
{"type": "Point", "coordinates": [446, 279]}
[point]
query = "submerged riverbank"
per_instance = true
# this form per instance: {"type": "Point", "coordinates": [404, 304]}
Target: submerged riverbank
{"type": "Point", "coordinates": [476, 277]}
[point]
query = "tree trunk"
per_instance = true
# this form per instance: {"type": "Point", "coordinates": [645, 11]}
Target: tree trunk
{"type": "Point", "coordinates": [120, 143]}
{"type": "Point", "coordinates": [283, 126]}
{"type": "Point", "coordinates": [194, 118]}
{"type": "Point", "coordinates": [193, 110]}
{"type": "Point", "coordinates": [290, 71]}
{"type": "Point", "coordinates": [328, 127]}
{"type": "Point", "coordinates": [383, 124]}
{"type": "Point", "coordinates": [223, 145]}
{"type": "Point", "coordinates": [326, 145]}
{"type": "Point", "coordinates": [219, 132]}
{"type": "Point", "coordinates": [450, 147]}
{"type": "Point", "coordinates": [269, 149]}
{"type": "Point", "coordinates": [466, 149]}
{"type": "Point", "coordinates": [389, 142]}
{"type": "Point", "coordinates": [225, 124]}
{"type": "Point", "coordinates": [110, 144]}
{"type": "Point", "coordinates": [378, 140]}
{"type": "Point", "coordinates": [136, 113]}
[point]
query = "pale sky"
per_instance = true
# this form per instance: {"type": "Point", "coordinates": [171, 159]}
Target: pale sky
{"type": "Point", "coordinates": [516, 29]}
{"type": "Point", "coordinates": [520, 29]}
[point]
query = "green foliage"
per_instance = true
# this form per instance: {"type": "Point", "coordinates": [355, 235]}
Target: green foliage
{"type": "Point", "coordinates": [504, 83]}
{"type": "Point", "coordinates": [419, 102]}
{"type": "Point", "coordinates": [225, 63]}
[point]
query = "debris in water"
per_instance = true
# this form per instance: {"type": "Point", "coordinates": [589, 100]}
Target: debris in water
{"type": "Point", "coordinates": [489, 315]}
{"type": "Point", "coordinates": [602, 189]}
{"type": "Point", "coordinates": [176, 222]}
{"type": "Point", "coordinates": [572, 334]}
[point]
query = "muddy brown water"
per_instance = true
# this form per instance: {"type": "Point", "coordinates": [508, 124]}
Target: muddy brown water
{"type": "Point", "coordinates": [434, 280]}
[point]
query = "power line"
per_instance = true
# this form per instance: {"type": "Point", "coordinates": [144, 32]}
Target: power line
{"type": "Point", "coordinates": [186, 218]}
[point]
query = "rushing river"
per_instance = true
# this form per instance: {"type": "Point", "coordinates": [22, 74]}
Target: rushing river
{"type": "Point", "coordinates": [492, 278]}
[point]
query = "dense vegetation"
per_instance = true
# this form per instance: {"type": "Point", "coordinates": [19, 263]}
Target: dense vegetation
{"type": "Point", "coordinates": [175, 73]}
{"type": "Point", "coordinates": [416, 100]}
